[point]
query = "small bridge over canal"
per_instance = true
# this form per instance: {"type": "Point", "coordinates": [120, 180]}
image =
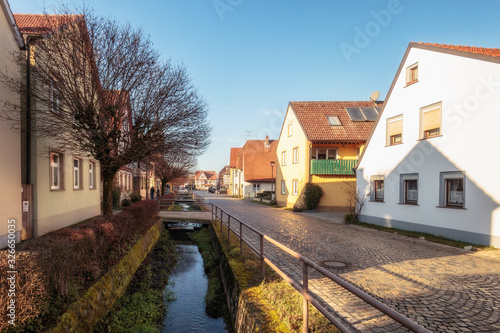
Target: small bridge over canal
{"type": "Point", "coordinates": [185, 208]}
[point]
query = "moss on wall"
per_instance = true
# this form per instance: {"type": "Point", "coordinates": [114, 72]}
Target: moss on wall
{"type": "Point", "coordinates": [100, 298]}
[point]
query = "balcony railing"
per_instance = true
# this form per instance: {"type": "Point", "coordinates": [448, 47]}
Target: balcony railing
{"type": "Point", "coordinates": [333, 167]}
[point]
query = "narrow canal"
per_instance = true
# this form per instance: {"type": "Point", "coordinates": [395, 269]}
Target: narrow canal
{"type": "Point", "coordinates": [189, 284]}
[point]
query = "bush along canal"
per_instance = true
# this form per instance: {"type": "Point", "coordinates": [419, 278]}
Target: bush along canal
{"type": "Point", "coordinates": [199, 303]}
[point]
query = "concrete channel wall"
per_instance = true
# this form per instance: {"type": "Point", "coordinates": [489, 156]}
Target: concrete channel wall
{"type": "Point", "coordinates": [244, 314]}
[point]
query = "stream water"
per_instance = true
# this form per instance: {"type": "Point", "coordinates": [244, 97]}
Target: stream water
{"type": "Point", "coordinates": [189, 284]}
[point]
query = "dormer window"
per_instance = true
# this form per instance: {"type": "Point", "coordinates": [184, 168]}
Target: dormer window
{"type": "Point", "coordinates": [334, 121]}
{"type": "Point", "coordinates": [412, 74]}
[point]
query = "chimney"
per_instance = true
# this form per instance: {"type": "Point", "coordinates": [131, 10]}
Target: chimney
{"type": "Point", "coordinates": [267, 141]}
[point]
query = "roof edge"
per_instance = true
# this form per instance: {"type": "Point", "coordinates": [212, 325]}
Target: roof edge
{"type": "Point", "coordinates": [12, 23]}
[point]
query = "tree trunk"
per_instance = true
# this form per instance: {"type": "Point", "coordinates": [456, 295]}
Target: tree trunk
{"type": "Point", "coordinates": [163, 184]}
{"type": "Point", "coordinates": [107, 194]}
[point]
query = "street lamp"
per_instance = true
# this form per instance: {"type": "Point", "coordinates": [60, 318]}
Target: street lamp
{"type": "Point", "coordinates": [272, 180]}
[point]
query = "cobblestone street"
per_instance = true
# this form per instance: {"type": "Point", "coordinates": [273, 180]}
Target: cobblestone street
{"type": "Point", "coordinates": [442, 288]}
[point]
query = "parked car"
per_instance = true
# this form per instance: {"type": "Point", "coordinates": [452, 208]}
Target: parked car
{"type": "Point", "coordinates": [211, 190]}
{"type": "Point", "coordinates": [182, 191]}
{"type": "Point", "coordinates": [222, 190]}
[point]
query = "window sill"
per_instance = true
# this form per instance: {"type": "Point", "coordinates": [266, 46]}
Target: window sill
{"type": "Point", "coordinates": [56, 189]}
{"type": "Point", "coordinates": [408, 204]}
{"type": "Point", "coordinates": [78, 189]}
{"type": "Point", "coordinates": [410, 83]}
{"type": "Point", "coordinates": [452, 207]}
{"type": "Point", "coordinates": [377, 201]}
{"type": "Point", "coordinates": [394, 144]}
{"type": "Point", "coordinates": [430, 137]}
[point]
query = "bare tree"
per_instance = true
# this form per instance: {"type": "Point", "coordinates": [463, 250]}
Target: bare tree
{"type": "Point", "coordinates": [172, 166]}
{"type": "Point", "coordinates": [100, 87]}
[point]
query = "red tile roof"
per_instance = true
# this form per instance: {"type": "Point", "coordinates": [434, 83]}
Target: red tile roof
{"type": "Point", "coordinates": [255, 158]}
{"type": "Point", "coordinates": [313, 119]}
{"type": "Point", "coordinates": [232, 158]}
{"type": "Point", "coordinates": [41, 23]}
{"type": "Point", "coordinates": [471, 49]}
{"type": "Point", "coordinates": [210, 175]}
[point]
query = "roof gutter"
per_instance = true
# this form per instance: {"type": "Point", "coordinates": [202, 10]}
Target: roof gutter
{"type": "Point", "coordinates": [12, 23]}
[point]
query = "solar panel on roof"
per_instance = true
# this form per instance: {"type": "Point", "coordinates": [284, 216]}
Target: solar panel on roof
{"type": "Point", "coordinates": [370, 113]}
{"type": "Point", "coordinates": [355, 114]}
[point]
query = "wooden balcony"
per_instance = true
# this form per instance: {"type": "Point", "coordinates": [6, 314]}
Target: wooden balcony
{"type": "Point", "coordinates": [333, 167]}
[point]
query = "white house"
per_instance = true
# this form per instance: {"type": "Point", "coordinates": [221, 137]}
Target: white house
{"type": "Point", "coordinates": [431, 164]}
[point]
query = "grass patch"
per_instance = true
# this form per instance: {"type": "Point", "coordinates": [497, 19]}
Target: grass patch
{"type": "Point", "coordinates": [428, 237]}
{"type": "Point", "coordinates": [142, 308]}
{"type": "Point", "coordinates": [279, 303]}
{"type": "Point", "coordinates": [215, 299]}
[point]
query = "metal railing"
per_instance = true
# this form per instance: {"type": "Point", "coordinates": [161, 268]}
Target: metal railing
{"type": "Point", "coordinates": [306, 265]}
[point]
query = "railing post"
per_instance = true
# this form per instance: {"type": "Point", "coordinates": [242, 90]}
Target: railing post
{"type": "Point", "coordinates": [305, 303]}
{"type": "Point", "coordinates": [228, 227]}
{"type": "Point", "coordinates": [212, 210]}
{"type": "Point", "coordinates": [241, 238]}
{"type": "Point", "coordinates": [262, 264]}
{"type": "Point", "coordinates": [220, 224]}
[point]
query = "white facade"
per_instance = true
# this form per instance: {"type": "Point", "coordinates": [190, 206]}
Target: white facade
{"type": "Point", "coordinates": [466, 87]}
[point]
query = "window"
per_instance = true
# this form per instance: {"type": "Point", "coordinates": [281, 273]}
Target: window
{"type": "Point", "coordinates": [91, 175]}
{"type": "Point", "coordinates": [256, 187]}
{"type": "Point", "coordinates": [452, 188]}
{"type": "Point", "coordinates": [296, 155]}
{"type": "Point", "coordinates": [290, 129]}
{"type": "Point", "coordinates": [412, 74]}
{"type": "Point", "coordinates": [295, 187]}
{"type": "Point", "coordinates": [409, 189]}
{"type": "Point", "coordinates": [56, 175]}
{"type": "Point", "coordinates": [283, 187]}
{"type": "Point", "coordinates": [377, 191]}
{"type": "Point", "coordinates": [77, 174]}
{"type": "Point", "coordinates": [394, 130]}
{"type": "Point", "coordinates": [54, 97]}
{"type": "Point", "coordinates": [334, 121]}
{"type": "Point", "coordinates": [430, 121]}
{"type": "Point", "coordinates": [283, 157]}
{"type": "Point", "coordinates": [324, 154]}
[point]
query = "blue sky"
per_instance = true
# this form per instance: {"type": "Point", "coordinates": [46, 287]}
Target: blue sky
{"type": "Point", "coordinates": [249, 58]}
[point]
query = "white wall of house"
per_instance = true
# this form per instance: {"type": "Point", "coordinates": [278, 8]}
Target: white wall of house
{"type": "Point", "coordinates": [10, 145]}
{"type": "Point", "coordinates": [252, 189]}
{"type": "Point", "coordinates": [469, 93]}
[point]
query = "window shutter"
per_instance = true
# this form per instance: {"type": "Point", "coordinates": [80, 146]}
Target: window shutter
{"type": "Point", "coordinates": [395, 126]}
{"type": "Point", "coordinates": [432, 119]}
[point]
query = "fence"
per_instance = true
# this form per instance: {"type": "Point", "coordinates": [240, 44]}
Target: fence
{"type": "Point", "coordinates": [306, 266]}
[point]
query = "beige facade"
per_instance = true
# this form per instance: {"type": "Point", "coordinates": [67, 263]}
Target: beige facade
{"type": "Point", "coordinates": [10, 140]}
{"type": "Point", "coordinates": [289, 171]}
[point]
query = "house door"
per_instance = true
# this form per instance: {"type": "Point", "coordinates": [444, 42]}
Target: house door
{"type": "Point", "coordinates": [27, 202]}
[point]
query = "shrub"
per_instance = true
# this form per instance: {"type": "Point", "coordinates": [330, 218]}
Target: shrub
{"type": "Point", "coordinates": [125, 203]}
{"type": "Point", "coordinates": [312, 196]}
{"type": "Point", "coordinates": [59, 266]}
{"type": "Point", "coordinates": [134, 197]}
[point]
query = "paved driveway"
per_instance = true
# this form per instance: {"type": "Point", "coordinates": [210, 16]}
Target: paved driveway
{"type": "Point", "coordinates": [442, 288]}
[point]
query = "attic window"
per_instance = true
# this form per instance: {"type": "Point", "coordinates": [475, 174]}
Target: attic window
{"type": "Point", "coordinates": [334, 121]}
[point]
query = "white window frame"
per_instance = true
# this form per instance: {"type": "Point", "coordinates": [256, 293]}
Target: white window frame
{"type": "Point", "coordinates": [443, 190]}
{"type": "Point", "coordinates": [283, 187]}
{"type": "Point", "coordinates": [316, 150]}
{"type": "Point", "coordinates": [373, 191]}
{"type": "Point", "coordinates": [56, 170]}
{"type": "Point", "coordinates": [55, 104]}
{"type": "Point", "coordinates": [296, 155]}
{"type": "Point", "coordinates": [389, 137]}
{"type": "Point", "coordinates": [92, 175]}
{"type": "Point", "coordinates": [283, 157]}
{"type": "Point", "coordinates": [403, 197]}
{"type": "Point", "coordinates": [77, 173]}
{"type": "Point", "coordinates": [290, 128]}
{"type": "Point", "coordinates": [334, 121]}
{"type": "Point", "coordinates": [295, 187]}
